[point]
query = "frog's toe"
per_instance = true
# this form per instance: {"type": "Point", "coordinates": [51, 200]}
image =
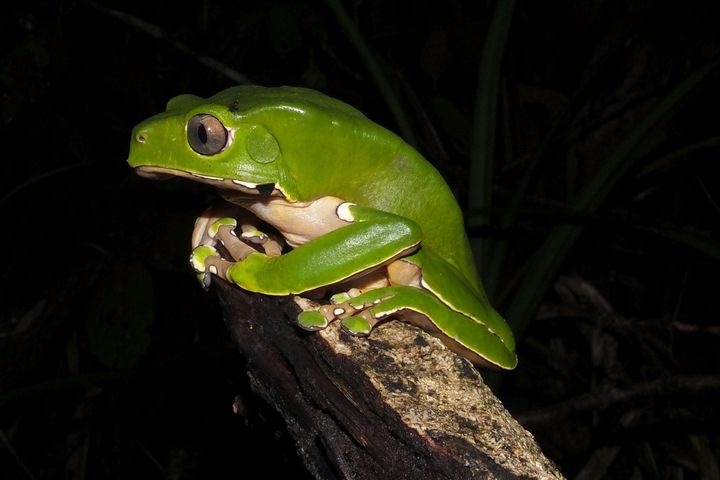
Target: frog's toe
{"type": "Point", "coordinates": [272, 245]}
{"type": "Point", "coordinates": [205, 279]}
{"type": "Point", "coordinates": [225, 233]}
{"type": "Point", "coordinates": [198, 261]}
{"type": "Point", "coordinates": [252, 234]}
{"type": "Point", "coordinates": [312, 320]}
{"type": "Point", "coordinates": [339, 298]}
{"type": "Point", "coordinates": [359, 325]}
{"type": "Point", "coordinates": [345, 297]}
{"type": "Point", "coordinates": [208, 223]}
{"type": "Point", "coordinates": [199, 256]}
{"type": "Point", "coordinates": [215, 226]}
{"type": "Point", "coordinates": [206, 261]}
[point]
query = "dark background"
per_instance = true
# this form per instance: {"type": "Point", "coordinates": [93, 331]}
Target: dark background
{"type": "Point", "coordinates": [115, 364]}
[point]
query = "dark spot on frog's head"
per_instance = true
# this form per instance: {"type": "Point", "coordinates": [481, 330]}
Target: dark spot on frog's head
{"type": "Point", "coordinates": [234, 106]}
{"type": "Point", "coordinates": [420, 341]}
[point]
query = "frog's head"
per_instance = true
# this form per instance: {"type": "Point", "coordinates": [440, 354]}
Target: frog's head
{"type": "Point", "coordinates": [208, 140]}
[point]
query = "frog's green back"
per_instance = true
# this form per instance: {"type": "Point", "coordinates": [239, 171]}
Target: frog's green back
{"type": "Point", "coordinates": [330, 148]}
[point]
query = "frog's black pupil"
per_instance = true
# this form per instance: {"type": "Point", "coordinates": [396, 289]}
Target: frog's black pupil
{"type": "Point", "coordinates": [202, 134]}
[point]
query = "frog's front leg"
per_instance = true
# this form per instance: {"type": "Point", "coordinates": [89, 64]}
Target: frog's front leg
{"type": "Point", "coordinates": [370, 240]}
{"type": "Point", "coordinates": [217, 225]}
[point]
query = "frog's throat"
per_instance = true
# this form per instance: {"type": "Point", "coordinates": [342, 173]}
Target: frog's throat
{"type": "Point", "coordinates": [162, 173]}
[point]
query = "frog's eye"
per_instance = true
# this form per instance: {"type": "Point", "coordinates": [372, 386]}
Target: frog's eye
{"type": "Point", "coordinates": [206, 134]}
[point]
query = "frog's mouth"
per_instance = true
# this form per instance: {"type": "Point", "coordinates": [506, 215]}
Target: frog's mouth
{"type": "Point", "coordinates": [249, 188]}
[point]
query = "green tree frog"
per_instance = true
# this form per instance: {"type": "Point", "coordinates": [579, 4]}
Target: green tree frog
{"type": "Point", "coordinates": [359, 222]}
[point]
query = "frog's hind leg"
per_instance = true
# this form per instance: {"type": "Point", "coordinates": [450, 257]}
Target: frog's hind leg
{"type": "Point", "coordinates": [370, 289]}
{"type": "Point", "coordinates": [464, 335]}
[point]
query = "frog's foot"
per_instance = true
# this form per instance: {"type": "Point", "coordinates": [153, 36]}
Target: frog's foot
{"type": "Point", "coordinates": [358, 323]}
{"type": "Point", "coordinates": [360, 310]}
{"type": "Point", "coordinates": [362, 313]}
{"type": "Point", "coordinates": [218, 224]}
{"type": "Point", "coordinates": [355, 317]}
{"type": "Point", "coordinates": [355, 309]}
{"type": "Point", "coordinates": [360, 316]}
{"type": "Point", "coordinates": [212, 232]}
{"type": "Point", "coordinates": [206, 259]}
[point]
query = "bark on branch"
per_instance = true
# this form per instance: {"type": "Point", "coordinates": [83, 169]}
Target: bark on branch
{"type": "Point", "coordinates": [397, 405]}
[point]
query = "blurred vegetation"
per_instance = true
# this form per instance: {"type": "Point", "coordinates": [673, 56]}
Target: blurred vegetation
{"type": "Point", "coordinates": [580, 136]}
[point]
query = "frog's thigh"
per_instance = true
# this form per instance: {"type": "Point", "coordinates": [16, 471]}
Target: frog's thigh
{"type": "Point", "coordinates": [402, 272]}
{"type": "Point", "coordinates": [362, 283]}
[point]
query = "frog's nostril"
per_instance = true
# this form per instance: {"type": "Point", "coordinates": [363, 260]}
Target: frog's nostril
{"type": "Point", "coordinates": [141, 137]}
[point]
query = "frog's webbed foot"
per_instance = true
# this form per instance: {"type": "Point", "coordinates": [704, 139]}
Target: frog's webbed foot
{"type": "Point", "coordinates": [354, 307]}
{"type": "Point", "coordinates": [321, 316]}
{"type": "Point", "coordinates": [216, 228]}
{"type": "Point", "coordinates": [359, 312]}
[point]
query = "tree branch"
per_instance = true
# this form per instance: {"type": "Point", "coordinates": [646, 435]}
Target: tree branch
{"type": "Point", "coordinates": [396, 405]}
